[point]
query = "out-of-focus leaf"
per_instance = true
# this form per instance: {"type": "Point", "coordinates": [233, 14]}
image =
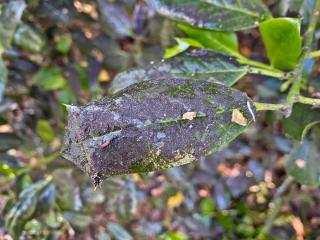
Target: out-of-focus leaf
{"type": "Point", "coordinates": [29, 39]}
{"type": "Point", "coordinates": [66, 96]}
{"type": "Point", "coordinates": [3, 77]}
{"type": "Point", "coordinates": [198, 64]}
{"type": "Point", "coordinates": [207, 206]}
{"type": "Point", "coordinates": [49, 78]}
{"type": "Point", "coordinates": [122, 197]}
{"type": "Point", "coordinates": [174, 236]}
{"type": "Point", "coordinates": [68, 195]}
{"type": "Point", "coordinates": [281, 37]}
{"type": "Point", "coordinates": [175, 200]}
{"type": "Point", "coordinates": [303, 118]}
{"type": "Point", "coordinates": [118, 232]}
{"type": "Point", "coordinates": [303, 162]}
{"type": "Point", "coordinates": [45, 131]}
{"type": "Point", "coordinates": [91, 196]}
{"type": "Point", "coordinates": [150, 117]}
{"type": "Point", "coordinates": [10, 15]}
{"type": "Point", "coordinates": [77, 219]}
{"type": "Point", "coordinates": [115, 20]}
{"type": "Point", "coordinates": [217, 15]}
{"type": "Point", "coordinates": [221, 42]}
{"type": "Point", "coordinates": [8, 141]}
{"type": "Point", "coordinates": [27, 205]}
{"type": "Point", "coordinates": [64, 43]}
{"type": "Point", "coordinates": [183, 44]}
{"type": "Point", "coordinates": [286, 6]}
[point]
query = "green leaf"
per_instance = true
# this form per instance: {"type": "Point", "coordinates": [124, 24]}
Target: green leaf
{"type": "Point", "coordinates": [26, 206]}
{"type": "Point", "coordinates": [219, 15]}
{"type": "Point", "coordinates": [221, 42]}
{"type": "Point", "coordinates": [118, 232]}
{"type": "Point", "coordinates": [77, 219]}
{"type": "Point", "coordinates": [281, 37]}
{"type": "Point", "coordinates": [49, 78]}
{"type": "Point", "coordinates": [174, 236]}
{"type": "Point", "coordinates": [198, 64]}
{"type": "Point", "coordinates": [45, 131]}
{"type": "Point", "coordinates": [207, 206]}
{"type": "Point", "coordinates": [3, 78]}
{"type": "Point", "coordinates": [303, 117]}
{"type": "Point", "coordinates": [183, 44]}
{"type": "Point", "coordinates": [9, 141]}
{"type": "Point", "coordinates": [10, 16]}
{"type": "Point", "coordinates": [64, 43]}
{"type": "Point", "coordinates": [167, 122]}
{"type": "Point", "coordinates": [29, 39]}
{"type": "Point", "coordinates": [303, 162]}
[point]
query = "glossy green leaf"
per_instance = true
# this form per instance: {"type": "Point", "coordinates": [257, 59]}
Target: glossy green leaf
{"type": "Point", "coordinates": [64, 43]}
{"type": "Point", "coordinates": [174, 236]}
{"type": "Point", "coordinates": [183, 44]}
{"type": "Point", "coordinates": [303, 162]}
{"type": "Point", "coordinates": [45, 131]}
{"type": "Point", "coordinates": [118, 232]}
{"type": "Point", "coordinates": [303, 117]}
{"type": "Point", "coordinates": [217, 15]}
{"type": "Point", "coordinates": [195, 64]}
{"type": "Point", "coordinates": [49, 78]}
{"type": "Point", "coordinates": [27, 205]}
{"type": "Point", "coordinates": [10, 16]}
{"type": "Point", "coordinates": [221, 42]}
{"type": "Point", "coordinates": [281, 37]}
{"type": "Point", "coordinates": [29, 39]}
{"type": "Point", "coordinates": [3, 77]}
{"type": "Point", "coordinates": [199, 116]}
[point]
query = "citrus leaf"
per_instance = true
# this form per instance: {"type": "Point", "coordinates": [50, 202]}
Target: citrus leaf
{"type": "Point", "coordinates": [281, 37]}
{"type": "Point", "coordinates": [302, 118]}
{"type": "Point", "coordinates": [29, 39]}
{"type": "Point", "coordinates": [148, 117]}
{"type": "Point", "coordinates": [216, 15]}
{"type": "Point", "coordinates": [49, 78]}
{"type": "Point", "coordinates": [303, 162]}
{"type": "Point", "coordinates": [183, 44]}
{"type": "Point", "coordinates": [10, 16]}
{"type": "Point", "coordinates": [195, 64]}
{"type": "Point", "coordinates": [221, 42]}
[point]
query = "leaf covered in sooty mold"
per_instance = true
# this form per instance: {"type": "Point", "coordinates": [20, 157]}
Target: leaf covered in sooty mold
{"type": "Point", "coordinates": [145, 128]}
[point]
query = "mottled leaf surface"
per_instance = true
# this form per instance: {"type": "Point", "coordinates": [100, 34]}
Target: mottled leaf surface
{"type": "Point", "coordinates": [141, 129]}
{"type": "Point", "coordinates": [196, 64]}
{"type": "Point", "coordinates": [217, 15]}
{"type": "Point", "coordinates": [303, 162]}
{"type": "Point", "coordinates": [303, 117]}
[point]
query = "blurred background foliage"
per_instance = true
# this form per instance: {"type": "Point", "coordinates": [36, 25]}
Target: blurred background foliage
{"type": "Point", "coordinates": [67, 52]}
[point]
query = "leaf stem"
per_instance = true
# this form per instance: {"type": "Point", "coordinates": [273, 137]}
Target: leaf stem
{"type": "Point", "coordinates": [294, 91]}
{"type": "Point", "coordinates": [269, 106]}
{"type": "Point", "coordinates": [275, 207]}
{"type": "Point", "coordinates": [267, 72]}
{"type": "Point", "coordinates": [243, 60]}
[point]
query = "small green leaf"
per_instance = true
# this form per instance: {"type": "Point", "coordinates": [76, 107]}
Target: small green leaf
{"type": "Point", "coordinates": [174, 236]}
{"type": "Point", "coordinates": [10, 16]}
{"type": "Point", "coordinates": [118, 232]}
{"type": "Point", "coordinates": [64, 43]}
{"type": "Point", "coordinates": [77, 219]}
{"type": "Point", "coordinates": [29, 39]}
{"type": "Point", "coordinates": [207, 206]}
{"type": "Point", "coordinates": [221, 42]}
{"type": "Point", "coordinates": [45, 131]}
{"type": "Point", "coordinates": [183, 44]}
{"type": "Point", "coordinates": [303, 162]}
{"type": "Point", "coordinates": [219, 15]}
{"type": "Point", "coordinates": [49, 78]}
{"type": "Point", "coordinates": [193, 64]}
{"type": "Point", "coordinates": [303, 117]}
{"type": "Point", "coordinates": [281, 37]}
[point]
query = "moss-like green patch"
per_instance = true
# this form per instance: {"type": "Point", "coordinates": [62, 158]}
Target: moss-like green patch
{"type": "Point", "coordinates": [184, 91]}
